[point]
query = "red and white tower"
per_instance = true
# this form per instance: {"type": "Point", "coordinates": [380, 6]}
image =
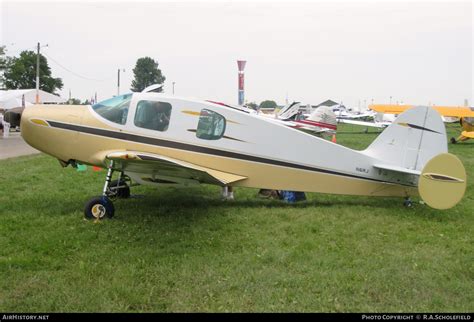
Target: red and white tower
{"type": "Point", "coordinates": [241, 65]}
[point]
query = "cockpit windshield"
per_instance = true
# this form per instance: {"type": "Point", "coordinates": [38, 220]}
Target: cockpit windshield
{"type": "Point", "coordinates": [114, 109]}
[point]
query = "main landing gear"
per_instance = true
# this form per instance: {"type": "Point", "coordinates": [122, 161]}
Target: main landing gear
{"type": "Point", "coordinates": [102, 207]}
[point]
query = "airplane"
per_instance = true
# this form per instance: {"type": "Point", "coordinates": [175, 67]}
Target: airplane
{"type": "Point", "coordinates": [363, 118]}
{"type": "Point", "coordinates": [320, 122]}
{"type": "Point", "coordinates": [164, 140]}
{"type": "Point", "coordinates": [464, 113]}
{"type": "Point", "coordinates": [289, 110]}
{"type": "Point", "coordinates": [380, 121]}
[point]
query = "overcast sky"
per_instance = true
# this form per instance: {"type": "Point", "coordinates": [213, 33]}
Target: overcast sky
{"type": "Point", "coordinates": [416, 52]}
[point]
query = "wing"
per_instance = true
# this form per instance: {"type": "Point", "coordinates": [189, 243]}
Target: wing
{"type": "Point", "coordinates": [389, 109]}
{"type": "Point", "coordinates": [455, 111]}
{"type": "Point", "coordinates": [153, 164]}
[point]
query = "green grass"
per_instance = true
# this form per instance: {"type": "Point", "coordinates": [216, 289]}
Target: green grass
{"type": "Point", "coordinates": [185, 250]}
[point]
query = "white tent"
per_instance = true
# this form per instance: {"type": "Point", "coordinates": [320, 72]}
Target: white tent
{"type": "Point", "coordinates": [13, 98]}
{"type": "Point", "coordinates": [12, 103]}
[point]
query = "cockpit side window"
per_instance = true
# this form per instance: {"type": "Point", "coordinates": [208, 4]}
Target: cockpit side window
{"type": "Point", "coordinates": [211, 125]}
{"type": "Point", "coordinates": [114, 109]}
{"type": "Point", "coordinates": [153, 115]}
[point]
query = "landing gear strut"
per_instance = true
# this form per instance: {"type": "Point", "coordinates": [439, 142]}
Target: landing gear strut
{"type": "Point", "coordinates": [119, 188]}
{"type": "Point", "coordinates": [102, 207]}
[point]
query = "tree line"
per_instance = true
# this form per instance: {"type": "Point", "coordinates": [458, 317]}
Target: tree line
{"type": "Point", "coordinates": [20, 73]}
{"type": "Point", "coordinates": [264, 104]}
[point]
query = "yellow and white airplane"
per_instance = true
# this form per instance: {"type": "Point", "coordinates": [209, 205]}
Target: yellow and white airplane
{"type": "Point", "coordinates": [158, 139]}
{"type": "Point", "coordinates": [465, 115]}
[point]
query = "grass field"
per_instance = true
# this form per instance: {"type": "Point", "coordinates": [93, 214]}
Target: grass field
{"type": "Point", "coordinates": [185, 250]}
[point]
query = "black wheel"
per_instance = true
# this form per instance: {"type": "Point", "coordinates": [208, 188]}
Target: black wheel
{"type": "Point", "coordinates": [453, 141]}
{"type": "Point", "coordinates": [123, 191]}
{"type": "Point", "coordinates": [408, 203]}
{"type": "Point", "coordinates": [99, 208]}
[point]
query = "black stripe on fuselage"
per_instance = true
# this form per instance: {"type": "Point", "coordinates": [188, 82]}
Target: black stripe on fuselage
{"type": "Point", "coordinates": [196, 148]}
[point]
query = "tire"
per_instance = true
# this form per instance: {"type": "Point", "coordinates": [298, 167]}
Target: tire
{"type": "Point", "coordinates": [122, 193]}
{"type": "Point", "coordinates": [99, 208]}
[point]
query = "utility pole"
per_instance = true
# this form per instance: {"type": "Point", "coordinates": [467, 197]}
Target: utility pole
{"type": "Point", "coordinates": [37, 73]}
{"type": "Point", "coordinates": [118, 81]}
{"type": "Point", "coordinates": [173, 87]}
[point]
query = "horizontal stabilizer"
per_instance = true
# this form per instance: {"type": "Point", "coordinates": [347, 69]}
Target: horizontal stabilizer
{"type": "Point", "coordinates": [396, 169]}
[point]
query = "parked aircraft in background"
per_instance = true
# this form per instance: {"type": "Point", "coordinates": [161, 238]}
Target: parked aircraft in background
{"type": "Point", "coordinates": [321, 121]}
{"type": "Point", "coordinates": [163, 140]}
{"type": "Point", "coordinates": [380, 121]}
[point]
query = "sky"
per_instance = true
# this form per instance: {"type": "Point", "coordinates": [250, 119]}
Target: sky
{"type": "Point", "coordinates": [413, 52]}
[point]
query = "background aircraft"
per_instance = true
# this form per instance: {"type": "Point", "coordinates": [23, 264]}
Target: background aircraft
{"type": "Point", "coordinates": [319, 122]}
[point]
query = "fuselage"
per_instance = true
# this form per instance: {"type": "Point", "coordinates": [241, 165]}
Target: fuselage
{"type": "Point", "coordinates": [268, 154]}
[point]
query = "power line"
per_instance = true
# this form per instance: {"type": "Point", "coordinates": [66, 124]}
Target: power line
{"type": "Point", "coordinates": [76, 74]}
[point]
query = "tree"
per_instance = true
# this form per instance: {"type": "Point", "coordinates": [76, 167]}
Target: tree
{"type": "Point", "coordinates": [20, 72]}
{"type": "Point", "coordinates": [74, 101]}
{"type": "Point", "coordinates": [3, 60]}
{"type": "Point", "coordinates": [146, 73]}
{"type": "Point", "coordinates": [268, 104]}
{"type": "Point", "coordinates": [252, 105]}
{"type": "Point", "coordinates": [3, 63]}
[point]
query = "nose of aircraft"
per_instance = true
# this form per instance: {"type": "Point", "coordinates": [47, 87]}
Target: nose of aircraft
{"type": "Point", "coordinates": [38, 131]}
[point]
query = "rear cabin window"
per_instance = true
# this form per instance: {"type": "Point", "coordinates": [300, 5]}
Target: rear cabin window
{"type": "Point", "coordinates": [153, 115]}
{"type": "Point", "coordinates": [114, 109]}
{"type": "Point", "coordinates": [211, 125]}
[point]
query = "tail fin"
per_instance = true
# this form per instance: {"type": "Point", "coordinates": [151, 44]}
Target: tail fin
{"type": "Point", "coordinates": [289, 110]}
{"type": "Point", "coordinates": [323, 114]}
{"type": "Point", "coordinates": [414, 138]}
